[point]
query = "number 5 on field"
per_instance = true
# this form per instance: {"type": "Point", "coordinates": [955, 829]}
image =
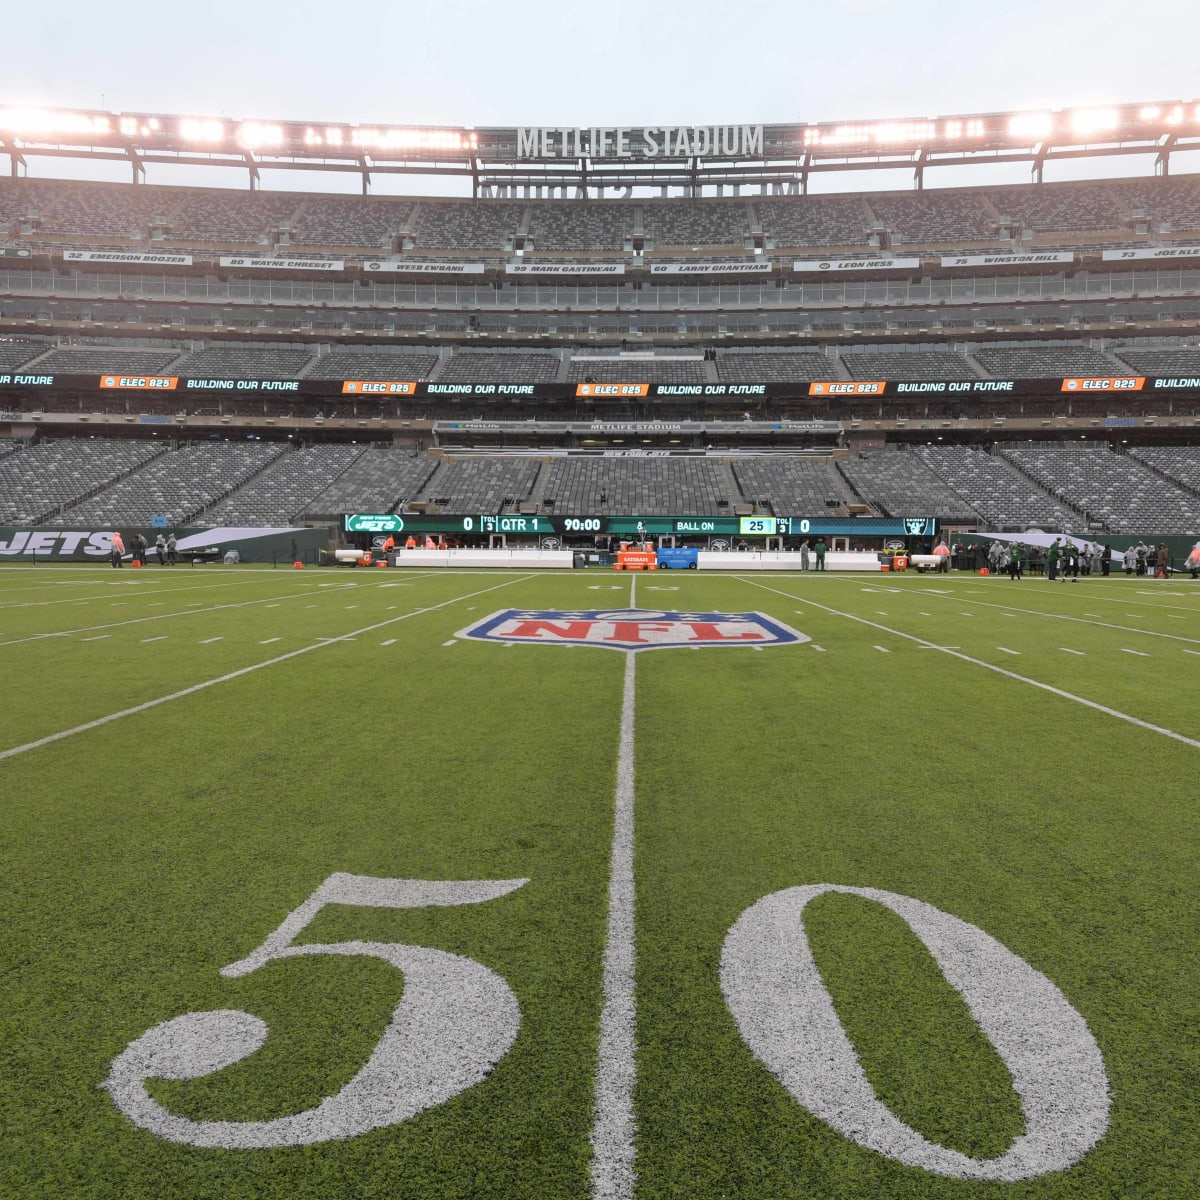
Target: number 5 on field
{"type": "Point", "coordinates": [455, 1021]}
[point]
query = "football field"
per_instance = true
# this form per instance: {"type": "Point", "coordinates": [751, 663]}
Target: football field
{"type": "Point", "coordinates": [462, 885]}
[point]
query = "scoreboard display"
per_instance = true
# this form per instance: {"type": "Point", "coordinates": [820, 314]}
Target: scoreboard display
{"type": "Point", "coordinates": [636, 527]}
{"type": "Point", "coordinates": [421, 523]}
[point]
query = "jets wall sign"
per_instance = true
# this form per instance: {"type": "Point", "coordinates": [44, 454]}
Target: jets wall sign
{"type": "Point", "coordinates": [631, 628]}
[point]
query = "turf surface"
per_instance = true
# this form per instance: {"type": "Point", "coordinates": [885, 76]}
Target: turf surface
{"type": "Point", "coordinates": [145, 853]}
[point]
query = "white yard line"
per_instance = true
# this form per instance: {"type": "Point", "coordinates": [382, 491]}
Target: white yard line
{"type": "Point", "coordinates": [978, 662]}
{"type": "Point", "coordinates": [209, 641]}
{"type": "Point", "coordinates": [1139, 653]}
{"type": "Point", "coordinates": [614, 1128]}
{"type": "Point", "coordinates": [268, 641]}
{"type": "Point", "coordinates": [1006, 650]}
{"type": "Point", "coordinates": [270, 662]}
{"type": "Point", "coordinates": [883, 650]}
{"type": "Point", "coordinates": [1083, 653]}
{"type": "Point", "coordinates": [186, 612]}
{"type": "Point", "coordinates": [1033, 612]}
{"type": "Point", "coordinates": [88, 599]}
{"type": "Point", "coordinates": [162, 637]}
{"type": "Point", "coordinates": [389, 642]}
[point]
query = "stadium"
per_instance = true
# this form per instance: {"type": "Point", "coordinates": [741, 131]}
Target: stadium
{"type": "Point", "coordinates": [832, 902]}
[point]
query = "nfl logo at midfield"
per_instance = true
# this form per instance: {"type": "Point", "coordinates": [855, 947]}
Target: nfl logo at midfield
{"type": "Point", "coordinates": [631, 628]}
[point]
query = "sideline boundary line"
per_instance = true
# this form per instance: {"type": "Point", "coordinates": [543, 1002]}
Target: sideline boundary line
{"type": "Point", "coordinates": [13, 751]}
{"type": "Point", "coordinates": [978, 662]}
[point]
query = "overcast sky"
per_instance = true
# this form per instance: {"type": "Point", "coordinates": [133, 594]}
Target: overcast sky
{"type": "Point", "coordinates": [610, 62]}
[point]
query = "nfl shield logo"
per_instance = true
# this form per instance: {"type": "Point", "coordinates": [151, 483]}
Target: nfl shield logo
{"type": "Point", "coordinates": [631, 629]}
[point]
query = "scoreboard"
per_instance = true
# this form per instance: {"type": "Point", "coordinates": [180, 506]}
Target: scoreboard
{"type": "Point", "coordinates": [633, 526]}
{"type": "Point", "coordinates": [420, 523]}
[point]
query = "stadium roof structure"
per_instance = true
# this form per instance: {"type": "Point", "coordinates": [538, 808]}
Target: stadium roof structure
{"type": "Point", "coordinates": [605, 160]}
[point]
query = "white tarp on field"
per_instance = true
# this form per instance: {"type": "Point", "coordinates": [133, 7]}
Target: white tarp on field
{"type": "Point", "coordinates": [230, 533]}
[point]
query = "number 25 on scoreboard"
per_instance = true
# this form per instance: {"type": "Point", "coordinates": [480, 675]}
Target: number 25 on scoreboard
{"type": "Point", "coordinates": [762, 526]}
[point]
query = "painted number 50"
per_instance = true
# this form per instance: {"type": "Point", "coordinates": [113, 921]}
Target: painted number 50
{"type": "Point", "coordinates": [455, 1021]}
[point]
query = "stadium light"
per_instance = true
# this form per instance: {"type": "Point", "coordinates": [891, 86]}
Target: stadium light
{"type": "Point", "coordinates": [24, 122]}
{"type": "Point", "coordinates": [255, 134]}
{"type": "Point", "coordinates": [201, 129]}
{"type": "Point", "coordinates": [1094, 120]}
{"type": "Point", "coordinates": [1032, 127]}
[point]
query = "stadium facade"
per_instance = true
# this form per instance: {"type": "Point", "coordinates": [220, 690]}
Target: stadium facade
{"type": "Point", "coordinates": [671, 294]}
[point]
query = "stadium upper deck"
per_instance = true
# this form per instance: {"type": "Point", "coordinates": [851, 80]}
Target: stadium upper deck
{"type": "Point", "coordinates": [172, 226]}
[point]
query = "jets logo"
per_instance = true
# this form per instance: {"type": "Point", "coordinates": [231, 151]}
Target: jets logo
{"type": "Point", "coordinates": [631, 628]}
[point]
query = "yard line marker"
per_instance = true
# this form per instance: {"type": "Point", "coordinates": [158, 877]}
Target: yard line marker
{"type": "Point", "coordinates": [963, 614]}
{"type": "Point", "coordinates": [978, 662]}
{"type": "Point", "coordinates": [614, 1129]}
{"type": "Point", "coordinates": [1139, 653]}
{"type": "Point", "coordinates": [1187, 651]}
{"type": "Point", "coordinates": [270, 662]}
{"type": "Point", "coordinates": [815, 647]}
{"type": "Point", "coordinates": [389, 642]}
{"type": "Point", "coordinates": [268, 641]}
{"type": "Point", "coordinates": [98, 638]}
{"type": "Point", "coordinates": [881, 613]}
{"type": "Point", "coordinates": [272, 606]}
{"type": "Point", "coordinates": [350, 606]}
{"type": "Point", "coordinates": [1033, 612]}
{"type": "Point", "coordinates": [1068, 650]}
{"type": "Point", "coordinates": [924, 614]}
{"type": "Point", "coordinates": [183, 612]}
{"type": "Point", "coordinates": [883, 650]}
{"type": "Point", "coordinates": [452, 641]}
{"type": "Point", "coordinates": [1096, 615]}
{"type": "Point", "coordinates": [1006, 650]}
{"type": "Point", "coordinates": [209, 641]}
{"type": "Point", "coordinates": [162, 637]}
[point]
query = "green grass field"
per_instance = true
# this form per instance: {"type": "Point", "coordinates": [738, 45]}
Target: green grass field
{"type": "Point", "coordinates": [1021, 757]}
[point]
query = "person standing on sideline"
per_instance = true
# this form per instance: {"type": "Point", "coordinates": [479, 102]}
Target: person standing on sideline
{"type": "Point", "coordinates": [943, 556]}
{"type": "Point", "coordinates": [1015, 557]}
{"type": "Point", "coordinates": [1162, 561]}
{"type": "Point", "coordinates": [118, 549]}
{"type": "Point", "coordinates": [172, 550]}
{"type": "Point", "coordinates": [1129, 559]}
{"type": "Point", "coordinates": [819, 549]}
{"type": "Point", "coordinates": [805, 555]}
{"type": "Point", "coordinates": [1105, 559]}
{"type": "Point", "coordinates": [1052, 557]}
{"type": "Point", "coordinates": [160, 548]}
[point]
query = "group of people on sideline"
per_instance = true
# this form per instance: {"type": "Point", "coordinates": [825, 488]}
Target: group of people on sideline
{"type": "Point", "coordinates": [166, 550]}
{"type": "Point", "coordinates": [1065, 559]}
